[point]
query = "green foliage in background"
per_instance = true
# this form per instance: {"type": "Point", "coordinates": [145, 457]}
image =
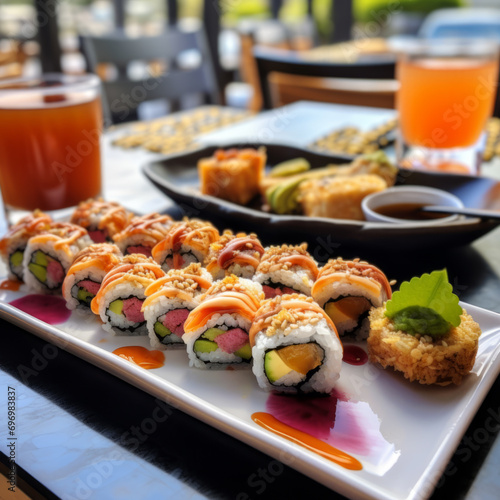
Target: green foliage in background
{"type": "Point", "coordinates": [370, 10]}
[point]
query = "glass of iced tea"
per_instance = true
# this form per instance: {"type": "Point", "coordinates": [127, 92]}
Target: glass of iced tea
{"type": "Point", "coordinates": [50, 129]}
{"type": "Point", "coordinates": [446, 96]}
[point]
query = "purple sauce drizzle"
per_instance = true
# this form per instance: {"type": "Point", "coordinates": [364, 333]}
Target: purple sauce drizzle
{"type": "Point", "coordinates": [47, 308]}
{"type": "Point", "coordinates": [348, 425]}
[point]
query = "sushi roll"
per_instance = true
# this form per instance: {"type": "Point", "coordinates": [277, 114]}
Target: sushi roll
{"type": "Point", "coordinates": [216, 331]}
{"type": "Point", "coordinates": [143, 233]}
{"type": "Point", "coordinates": [13, 244]}
{"type": "Point", "coordinates": [102, 219]}
{"type": "Point", "coordinates": [119, 300]}
{"type": "Point", "coordinates": [84, 277]}
{"type": "Point", "coordinates": [237, 254]}
{"type": "Point", "coordinates": [187, 241]}
{"type": "Point", "coordinates": [286, 269]}
{"type": "Point", "coordinates": [295, 346]}
{"type": "Point", "coordinates": [168, 302]}
{"type": "Point", "coordinates": [49, 255]}
{"type": "Point", "coordinates": [347, 290]}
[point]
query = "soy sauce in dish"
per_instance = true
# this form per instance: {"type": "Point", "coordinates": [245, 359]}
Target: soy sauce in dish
{"type": "Point", "coordinates": [408, 211]}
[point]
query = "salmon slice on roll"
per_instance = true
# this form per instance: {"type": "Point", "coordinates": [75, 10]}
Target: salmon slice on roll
{"type": "Point", "coordinates": [187, 241]}
{"type": "Point", "coordinates": [85, 275]}
{"type": "Point", "coordinates": [237, 254]}
{"type": "Point", "coordinates": [143, 233]}
{"type": "Point", "coordinates": [102, 219]}
{"type": "Point", "coordinates": [216, 331]}
{"type": "Point", "coordinates": [121, 295]}
{"type": "Point", "coordinates": [169, 301]}
{"type": "Point", "coordinates": [347, 290]}
{"type": "Point", "coordinates": [286, 269]}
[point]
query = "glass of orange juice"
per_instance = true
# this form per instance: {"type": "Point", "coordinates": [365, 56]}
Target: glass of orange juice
{"type": "Point", "coordinates": [446, 94]}
{"type": "Point", "coordinates": [50, 129]}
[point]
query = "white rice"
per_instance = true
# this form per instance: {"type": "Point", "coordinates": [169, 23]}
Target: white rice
{"type": "Point", "coordinates": [156, 311]}
{"type": "Point", "coordinates": [322, 381]}
{"type": "Point", "coordinates": [135, 240]}
{"type": "Point", "coordinates": [296, 277]}
{"type": "Point", "coordinates": [218, 358]}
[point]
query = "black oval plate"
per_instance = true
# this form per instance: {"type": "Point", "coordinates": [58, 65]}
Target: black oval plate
{"type": "Point", "coordinates": [177, 177]}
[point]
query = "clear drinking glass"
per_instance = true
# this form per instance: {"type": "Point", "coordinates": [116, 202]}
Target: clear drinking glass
{"type": "Point", "coordinates": [446, 95]}
{"type": "Point", "coordinates": [50, 129]}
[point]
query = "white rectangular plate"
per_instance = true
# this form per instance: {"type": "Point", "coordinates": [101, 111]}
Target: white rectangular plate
{"type": "Point", "coordinates": [403, 434]}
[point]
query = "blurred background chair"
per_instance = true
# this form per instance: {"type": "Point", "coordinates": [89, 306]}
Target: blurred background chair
{"type": "Point", "coordinates": [331, 80]}
{"type": "Point", "coordinates": [146, 77]}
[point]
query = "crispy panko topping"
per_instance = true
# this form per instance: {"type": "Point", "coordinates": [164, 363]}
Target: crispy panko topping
{"type": "Point", "coordinates": [275, 257]}
{"type": "Point", "coordinates": [277, 314]}
{"type": "Point", "coordinates": [183, 279]}
{"type": "Point", "coordinates": [232, 283]}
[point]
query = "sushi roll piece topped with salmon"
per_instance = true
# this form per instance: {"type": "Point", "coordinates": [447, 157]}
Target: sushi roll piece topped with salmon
{"type": "Point", "coordinates": [286, 269]}
{"type": "Point", "coordinates": [295, 346]}
{"type": "Point", "coordinates": [84, 277]}
{"type": "Point", "coordinates": [121, 295]}
{"type": "Point", "coordinates": [49, 255]}
{"type": "Point", "coordinates": [143, 233]}
{"type": "Point", "coordinates": [216, 331]}
{"type": "Point", "coordinates": [13, 244]}
{"type": "Point", "coordinates": [187, 241]}
{"type": "Point", "coordinates": [347, 290]}
{"type": "Point", "coordinates": [102, 219]}
{"type": "Point", "coordinates": [237, 254]}
{"type": "Point", "coordinates": [169, 301]}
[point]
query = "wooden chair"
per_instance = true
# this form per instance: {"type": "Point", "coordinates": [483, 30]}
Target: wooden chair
{"type": "Point", "coordinates": [286, 88]}
{"type": "Point", "coordinates": [163, 74]}
{"type": "Point", "coordinates": [290, 63]}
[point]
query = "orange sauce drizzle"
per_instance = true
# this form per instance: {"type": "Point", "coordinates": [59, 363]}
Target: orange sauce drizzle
{"type": "Point", "coordinates": [141, 356]}
{"type": "Point", "coordinates": [12, 285]}
{"type": "Point", "coordinates": [270, 423]}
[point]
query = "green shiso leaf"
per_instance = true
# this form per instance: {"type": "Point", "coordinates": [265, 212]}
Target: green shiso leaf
{"type": "Point", "coordinates": [425, 305]}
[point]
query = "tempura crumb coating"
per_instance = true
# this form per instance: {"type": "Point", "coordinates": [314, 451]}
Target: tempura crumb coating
{"type": "Point", "coordinates": [419, 357]}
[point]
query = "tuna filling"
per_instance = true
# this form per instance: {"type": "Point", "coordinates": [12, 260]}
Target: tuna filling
{"type": "Point", "coordinates": [125, 314]}
{"type": "Point", "coordinates": [85, 291]}
{"type": "Point", "coordinates": [169, 328]}
{"type": "Point", "coordinates": [99, 235]}
{"type": "Point", "coordinates": [143, 249]}
{"type": "Point", "coordinates": [272, 289]}
{"type": "Point", "coordinates": [231, 341]}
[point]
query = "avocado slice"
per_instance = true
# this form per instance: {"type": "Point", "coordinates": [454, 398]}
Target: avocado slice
{"type": "Point", "coordinates": [16, 259]}
{"type": "Point", "coordinates": [284, 197]}
{"type": "Point", "coordinates": [274, 366]}
{"type": "Point", "coordinates": [205, 346]}
{"type": "Point", "coordinates": [116, 306]}
{"type": "Point", "coordinates": [244, 352]}
{"type": "Point", "coordinates": [290, 167]}
{"type": "Point", "coordinates": [211, 333]}
{"type": "Point", "coordinates": [40, 258]}
{"type": "Point", "coordinates": [161, 330]}
{"type": "Point", "coordinates": [38, 271]}
{"type": "Point", "coordinates": [84, 296]}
